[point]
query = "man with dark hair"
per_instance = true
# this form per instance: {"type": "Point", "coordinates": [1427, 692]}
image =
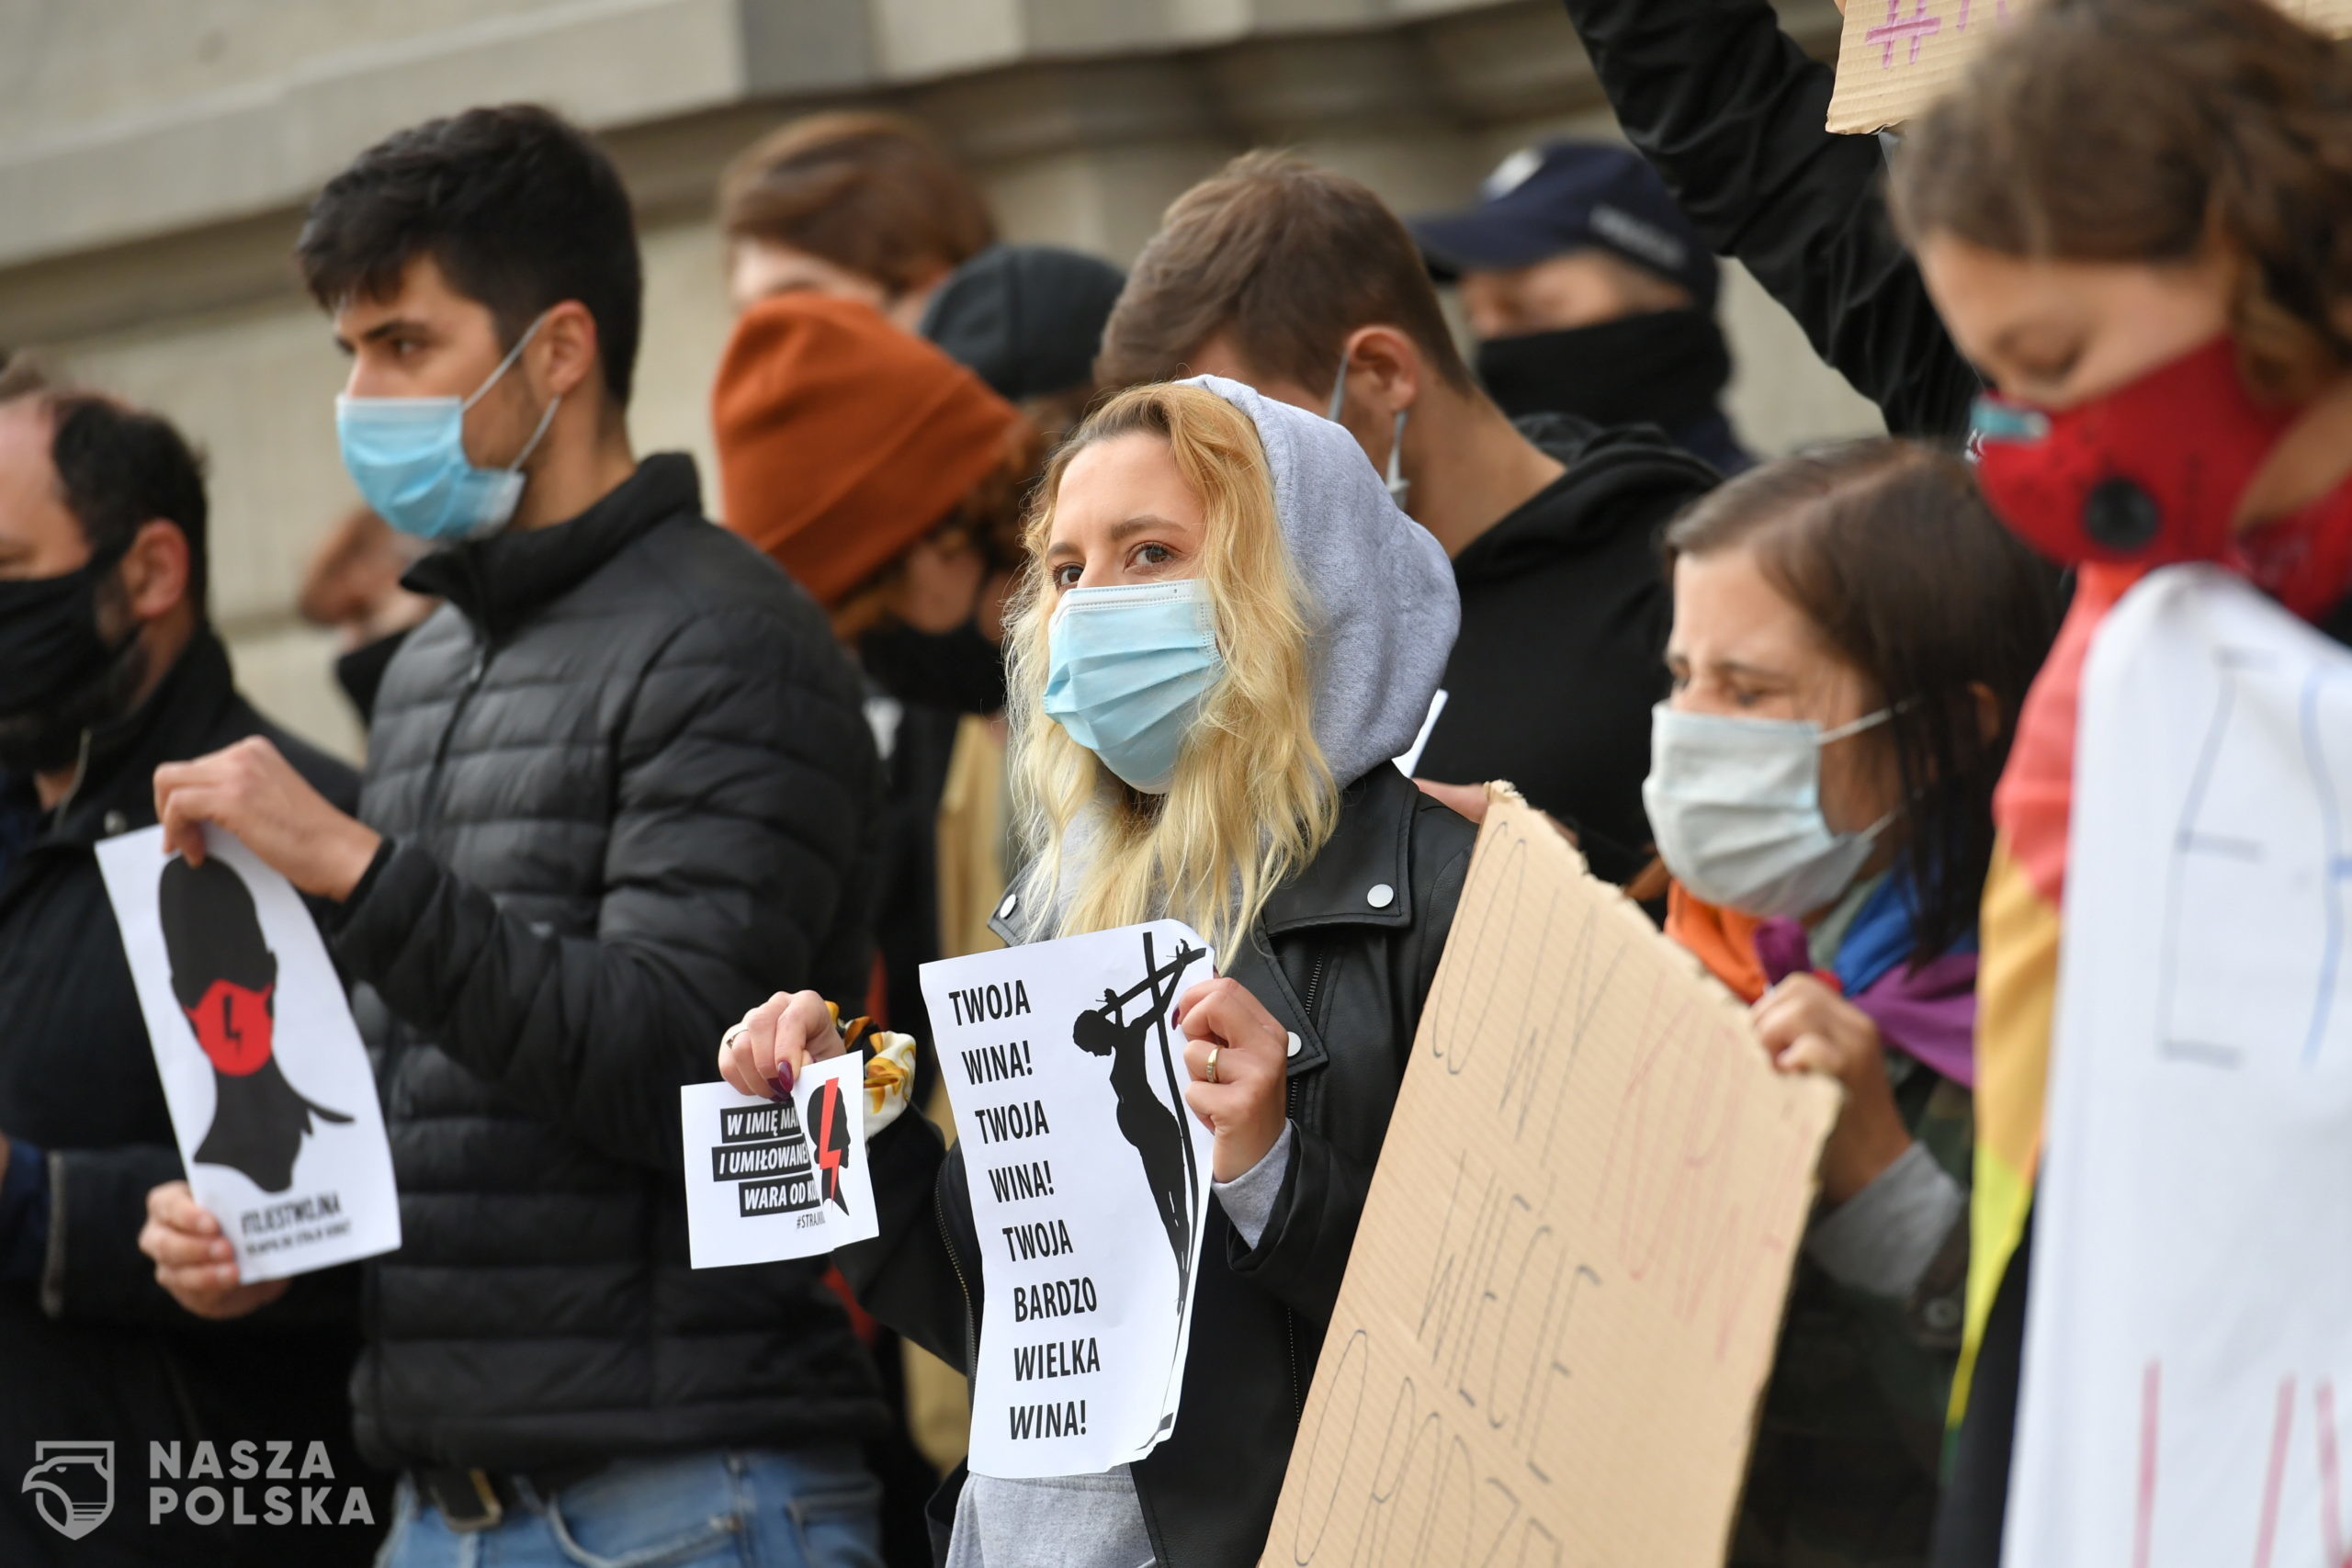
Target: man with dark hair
{"type": "Point", "coordinates": [108, 669]}
{"type": "Point", "coordinates": [1301, 284]}
{"type": "Point", "coordinates": [619, 788]}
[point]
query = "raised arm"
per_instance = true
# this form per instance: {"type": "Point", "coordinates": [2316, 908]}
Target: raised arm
{"type": "Point", "coordinates": [1732, 113]}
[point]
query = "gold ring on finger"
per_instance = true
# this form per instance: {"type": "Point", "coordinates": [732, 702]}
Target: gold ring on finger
{"type": "Point", "coordinates": [1211, 1075]}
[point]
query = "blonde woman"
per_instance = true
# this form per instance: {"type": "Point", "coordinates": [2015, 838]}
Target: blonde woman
{"type": "Point", "coordinates": [1225, 633]}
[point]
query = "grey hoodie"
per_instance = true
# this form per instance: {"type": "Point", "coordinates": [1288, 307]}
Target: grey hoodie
{"type": "Point", "coordinates": [1385, 609]}
{"type": "Point", "coordinates": [1382, 619]}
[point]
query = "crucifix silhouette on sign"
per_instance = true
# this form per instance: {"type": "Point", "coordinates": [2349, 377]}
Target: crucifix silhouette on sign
{"type": "Point", "coordinates": [1157, 1130]}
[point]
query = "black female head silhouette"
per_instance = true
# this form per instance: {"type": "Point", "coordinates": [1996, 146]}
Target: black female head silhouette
{"type": "Point", "coordinates": [225, 980]}
{"type": "Point", "coordinates": [828, 1130]}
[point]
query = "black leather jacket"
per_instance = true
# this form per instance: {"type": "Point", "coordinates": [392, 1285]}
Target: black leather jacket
{"type": "Point", "coordinates": [1343, 956]}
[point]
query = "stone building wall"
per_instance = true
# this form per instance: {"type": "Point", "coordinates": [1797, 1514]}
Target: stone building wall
{"type": "Point", "coordinates": [154, 155]}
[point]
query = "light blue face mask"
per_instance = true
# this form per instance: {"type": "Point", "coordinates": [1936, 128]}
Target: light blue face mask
{"type": "Point", "coordinates": [408, 457]}
{"type": "Point", "coordinates": [1126, 670]}
{"type": "Point", "coordinates": [1736, 804]}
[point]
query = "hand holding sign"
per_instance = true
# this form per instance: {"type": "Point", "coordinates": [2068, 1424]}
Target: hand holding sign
{"type": "Point", "coordinates": [253, 792]}
{"type": "Point", "coordinates": [778, 1174]}
{"type": "Point", "coordinates": [765, 1053]}
{"type": "Point", "coordinates": [1235, 1053]}
{"type": "Point", "coordinates": [1805, 1027]}
{"type": "Point", "coordinates": [194, 1262]}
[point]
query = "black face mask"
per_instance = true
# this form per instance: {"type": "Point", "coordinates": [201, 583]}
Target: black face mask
{"type": "Point", "coordinates": [59, 678]}
{"type": "Point", "coordinates": [1663, 367]}
{"type": "Point", "coordinates": [959, 670]}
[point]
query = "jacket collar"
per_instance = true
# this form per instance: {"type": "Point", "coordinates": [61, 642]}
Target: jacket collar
{"type": "Point", "coordinates": [1361, 878]}
{"type": "Point", "coordinates": [177, 721]}
{"type": "Point", "coordinates": [499, 582]}
{"type": "Point", "coordinates": [1362, 875]}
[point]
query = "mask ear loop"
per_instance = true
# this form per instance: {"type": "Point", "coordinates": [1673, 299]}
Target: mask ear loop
{"type": "Point", "coordinates": [506, 363]}
{"type": "Point", "coordinates": [1339, 389]}
{"type": "Point", "coordinates": [533, 444]}
{"type": "Point", "coordinates": [504, 367]}
{"type": "Point", "coordinates": [1868, 721]}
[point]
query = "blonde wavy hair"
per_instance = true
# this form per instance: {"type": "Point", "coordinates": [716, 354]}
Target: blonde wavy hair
{"type": "Point", "coordinates": [1252, 801]}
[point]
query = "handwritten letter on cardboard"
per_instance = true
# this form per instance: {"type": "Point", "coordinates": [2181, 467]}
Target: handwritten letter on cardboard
{"type": "Point", "coordinates": [1565, 1297]}
{"type": "Point", "coordinates": [1895, 57]}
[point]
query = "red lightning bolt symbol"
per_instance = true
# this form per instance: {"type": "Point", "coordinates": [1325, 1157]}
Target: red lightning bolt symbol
{"type": "Point", "coordinates": [829, 1157]}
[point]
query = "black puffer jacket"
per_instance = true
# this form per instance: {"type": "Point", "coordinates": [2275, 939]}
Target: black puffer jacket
{"type": "Point", "coordinates": [1347, 974]}
{"type": "Point", "coordinates": [1731, 111]}
{"type": "Point", "coordinates": [627, 790]}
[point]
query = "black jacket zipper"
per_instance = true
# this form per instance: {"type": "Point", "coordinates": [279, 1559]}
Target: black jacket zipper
{"type": "Point", "coordinates": [372, 1309]}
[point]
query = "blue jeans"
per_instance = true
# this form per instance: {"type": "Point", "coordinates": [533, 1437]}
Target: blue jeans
{"type": "Point", "coordinates": [742, 1508]}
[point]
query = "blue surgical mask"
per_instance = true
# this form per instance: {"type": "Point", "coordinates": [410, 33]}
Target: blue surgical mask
{"type": "Point", "coordinates": [1126, 670]}
{"type": "Point", "coordinates": [408, 457]}
{"type": "Point", "coordinates": [1736, 804]}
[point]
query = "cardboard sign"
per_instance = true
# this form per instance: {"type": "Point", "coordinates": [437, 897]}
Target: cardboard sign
{"type": "Point", "coordinates": [273, 1102]}
{"type": "Point", "coordinates": [1089, 1177]}
{"type": "Point", "coordinates": [2186, 1396]}
{"type": "Point", "coordinates": [770, 1179]}
{"type": "Point", "coordinates": [1566, 1291]}
{"type": "Point", "coordinates": [1895, 57]}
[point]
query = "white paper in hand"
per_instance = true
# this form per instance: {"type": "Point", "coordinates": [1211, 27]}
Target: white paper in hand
{"type": "Point", "coordinates": [272, 1098]}
{"type": "Point", "coordinates": [770, 1179]}
{"type": "Point", "coordinates": [1090, 1181]}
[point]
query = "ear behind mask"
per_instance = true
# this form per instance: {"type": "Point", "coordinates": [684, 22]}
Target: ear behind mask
{"type": "Point", "coordinates": [1398, 485]}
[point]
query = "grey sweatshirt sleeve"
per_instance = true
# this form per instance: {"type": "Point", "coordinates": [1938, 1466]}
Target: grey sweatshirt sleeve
{"type": "Point", "coordinates": [1883, 1238]}
{"type": "Point", "coordinates": [1249, 1199]}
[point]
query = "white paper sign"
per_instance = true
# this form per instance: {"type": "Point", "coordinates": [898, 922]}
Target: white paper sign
{"type": "Point", "coordinates": [1412, 757]}
{"type": "Point", "coordinates": [272, 1099]}
{"type": "Point", "coordinates": [770, 1180]}
{"type": "Point", "coordinates": [1090, 1178]}
{"type": "Point", "coordinates": [2189, 1335]}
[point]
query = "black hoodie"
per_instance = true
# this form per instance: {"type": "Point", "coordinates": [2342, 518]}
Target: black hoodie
{"type": "Point", "coordinates": [1565, 611]}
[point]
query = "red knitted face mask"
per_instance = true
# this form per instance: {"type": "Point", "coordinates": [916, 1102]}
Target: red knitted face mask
{"type": "Point", "coordinates": [234, 1023]}
{"type": "Point", "coordinates": [2150, 475]}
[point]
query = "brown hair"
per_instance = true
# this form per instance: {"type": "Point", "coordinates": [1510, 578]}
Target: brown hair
{"type": "Point", "coordinates": [2145, 130]}
{"type": "Point", "coordinates": [1889, 550]}
{"type": "Point", "coordinates": [872, 192]}
{"type": "Point", "coordinates": [1286, 258]}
